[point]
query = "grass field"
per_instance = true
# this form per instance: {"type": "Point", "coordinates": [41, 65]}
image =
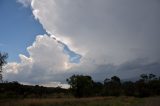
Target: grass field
{"type": "Point", "coordinates": [97, 101]}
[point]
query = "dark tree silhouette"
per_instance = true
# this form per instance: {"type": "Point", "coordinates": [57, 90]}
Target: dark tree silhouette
{"type": "Point", "coordinates": [144, 77]}
{"type": "Point", "coordinates": [128, 88]}
{"type": "Point", "coordinates": [97, 88]}
{"type": "Point", "coordinates": [152, 77]}
{"type": "Point", "coordinates": [3, 61]}
{"type": "Point", "coordinates": [81, 86]}
{"type": "Point", "coordinates": [112, 87]}
{"type": "Point", "coordinates": [84, 86]}
{"type": "Point", "coordinates": [115, 79]}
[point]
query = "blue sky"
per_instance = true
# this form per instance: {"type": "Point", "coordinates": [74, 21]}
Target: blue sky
{"type": "Point", "coordinates": [18, 28]}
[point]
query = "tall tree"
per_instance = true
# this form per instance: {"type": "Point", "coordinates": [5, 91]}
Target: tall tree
{"type": "Point", "coordinates": [112, 87]}
{"type": "Point", "coordinates": [81, 85]}
{"type": "Point", "coordinates": [3, 61]}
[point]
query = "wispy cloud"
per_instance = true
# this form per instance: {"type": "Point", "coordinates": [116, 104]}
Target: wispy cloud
{"type": "Point", "coordinates": [25, 3]}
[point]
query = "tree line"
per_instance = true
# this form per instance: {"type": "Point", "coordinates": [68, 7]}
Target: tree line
{"type": "Point", "coordinates": [84, 86]}
{"type": "Point", "coordinates": [17, 90]}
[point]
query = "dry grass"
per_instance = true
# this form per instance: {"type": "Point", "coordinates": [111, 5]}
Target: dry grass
{"type": "Point", "coordinates": [96, 101]}
{"type": "Point", "coordinates": [152, 101]}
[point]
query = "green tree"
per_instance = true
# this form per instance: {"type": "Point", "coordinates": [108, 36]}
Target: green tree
{"type": "Point", "coordinates": [3, 61]}
{"type": "Point", "coordinates": [97, 88]}
{"type": "Point", "coordinates": [141, 88]}
{"type": "Point", "coordinates": [116, 79]}
{"type": "Point", "coordinates": [112, 87]}
{"type": "Point", "coordinates": [128, 88]}
{"type": "Point", "coordinates": [81, 85]}
{"type": "Point", "coordinates": [152, 77]}
{"type": "Point", "coordinates": [144, 77]}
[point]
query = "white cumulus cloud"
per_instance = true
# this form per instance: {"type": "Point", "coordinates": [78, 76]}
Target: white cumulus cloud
{"type": "Point", "coordinates": [45, 60]}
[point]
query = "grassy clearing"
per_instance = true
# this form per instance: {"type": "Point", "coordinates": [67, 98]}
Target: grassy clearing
{"type": "Point", "coordinates": [97, 101]}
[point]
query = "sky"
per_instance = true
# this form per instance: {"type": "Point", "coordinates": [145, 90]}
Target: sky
{"type": "Point", "coordinates": [48, 41]}
{"type": "Point", "coordinates": [18, 28]}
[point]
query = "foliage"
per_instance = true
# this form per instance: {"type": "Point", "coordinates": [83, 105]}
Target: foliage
{"type": "Point", "coordinates": [84, 86]}
{"type": "Point", "coordinates": [16, 90]}
{"type": "Point", "coordinates": [81, 85]}
{"type": "Point", "coordinates": [3, 61]}
{"type": "Point", "coordinates": [112, 87]}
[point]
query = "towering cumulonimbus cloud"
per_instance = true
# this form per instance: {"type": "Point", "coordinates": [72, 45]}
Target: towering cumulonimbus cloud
{"type": "Point", "coordinates": [96, 37]}
{"type": "Point", "coordinates": [112, 30]}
